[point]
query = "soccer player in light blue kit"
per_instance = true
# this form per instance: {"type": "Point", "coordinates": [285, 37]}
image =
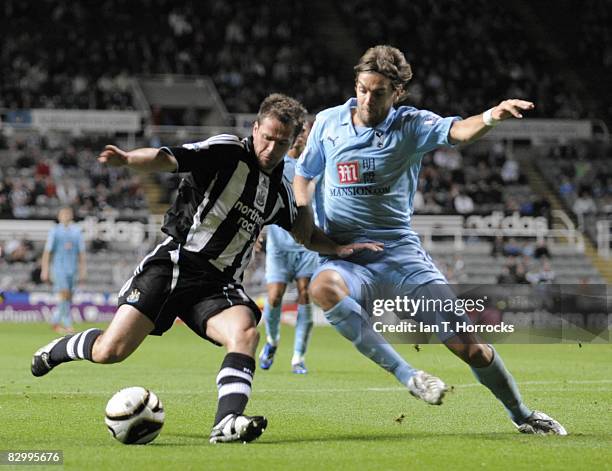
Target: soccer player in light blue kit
{"type": "Point", "coordinates": [64, 253]}
{"type": "Point", "coordinates": [370, 154]}
{"type": "Point", "coordinates": [286, 260]}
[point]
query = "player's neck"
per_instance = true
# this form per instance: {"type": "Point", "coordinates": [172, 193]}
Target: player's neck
{"type": "Point", "coordinates": [357, 122]}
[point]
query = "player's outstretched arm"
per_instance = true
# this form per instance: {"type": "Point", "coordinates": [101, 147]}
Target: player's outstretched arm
{"type": "Point", "coordinates": [145, 159]}
{"type": "Point", "coordinates": [474, 127]}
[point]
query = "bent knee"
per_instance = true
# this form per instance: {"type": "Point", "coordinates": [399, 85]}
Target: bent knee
{"type": "Point", "coordinates": [275, 300]}
{"type": "Point", "coordinates": [476, 355]}
{"type": "Point", "coordinates": [303, 297]}
{"type": "Point", "coordinates": [247, 337]}
{"type": "Point", "coordinates": [328, 289]}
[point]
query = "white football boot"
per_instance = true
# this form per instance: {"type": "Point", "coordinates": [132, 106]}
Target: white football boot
{"type": "Point", "coordinates": [427, 387]}
{"type": "Point", "coordinates": [238, 428]}
{"type": "Point", "coordinates": [541, 424]}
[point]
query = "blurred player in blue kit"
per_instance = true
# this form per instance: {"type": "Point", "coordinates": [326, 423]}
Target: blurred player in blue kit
{"type": "Point", "coordinates": [286, 260]}
{"type": "Point", "coordinates": [370, 154]}
{"type": "Point", "coordinates": [63, 263]}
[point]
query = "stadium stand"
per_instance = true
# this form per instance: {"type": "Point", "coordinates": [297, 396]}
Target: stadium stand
{"type": "Point", "coordinates": [74, 62]}
{"type": "Point", "coordinates": [39, 173]}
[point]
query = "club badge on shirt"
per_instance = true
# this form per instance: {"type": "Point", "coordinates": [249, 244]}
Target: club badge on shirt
{"type": "Point", "coordinates": [262, 192]}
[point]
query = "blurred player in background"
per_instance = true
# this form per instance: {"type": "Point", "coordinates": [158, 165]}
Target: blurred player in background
{"type": "Point", "coordinates": [370, 153]}
{"type": "Point", "coordinates": [232, 188]}
{"type": "Point", "coordinates": [63, 256]}
{"type": "Point", "coordinates": [286, 260]}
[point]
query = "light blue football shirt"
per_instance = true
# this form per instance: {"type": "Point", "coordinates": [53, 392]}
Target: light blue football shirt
{"type": "Point", "coordinates": [278, 239]}
{"type": "Point", "coordinates": [65, 244]}
{"type": "Point", "coordinates": [371, 174]}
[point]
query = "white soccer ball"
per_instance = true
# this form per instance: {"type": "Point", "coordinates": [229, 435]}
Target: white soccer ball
{"type": "Point", "coordinates": [134, 415]}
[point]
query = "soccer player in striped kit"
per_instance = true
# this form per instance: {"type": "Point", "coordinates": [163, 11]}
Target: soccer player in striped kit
{"type": "Point", "coordinates": [231, 189]}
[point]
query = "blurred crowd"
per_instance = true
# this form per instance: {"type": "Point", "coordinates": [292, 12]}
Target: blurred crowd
{"type": "Point", "coordinates": [39, 174]}
{"type": "Point", "coordinates": [467, 55]}
{"type": "Point", "coordinates": [523, 262]}
{"type": "Point", "coordinates": [470, 181]}
{"type": "Point", "coordinates": [57, 53]}
{"type": "Point", "coordinates": [582, 175]}
{"type": "Point", "coordinates": [62, 54]}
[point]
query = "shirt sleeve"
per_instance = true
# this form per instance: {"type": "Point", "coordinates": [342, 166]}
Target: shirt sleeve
{"type": "Point", "coordinates": [429, 131]}
{"type": "Point", "coordinates": [203, 155]}
{"type": "Point", "coordinates": [312, 161]}
{"type": "Point", "coordinates": [285, 217]}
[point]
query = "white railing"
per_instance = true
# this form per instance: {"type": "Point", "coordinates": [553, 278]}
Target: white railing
{"type": "Point", "coordinates": [431, 228]}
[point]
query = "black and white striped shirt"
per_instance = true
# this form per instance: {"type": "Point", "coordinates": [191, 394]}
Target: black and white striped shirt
{"type": "Point", "coordinates": [223, 202]}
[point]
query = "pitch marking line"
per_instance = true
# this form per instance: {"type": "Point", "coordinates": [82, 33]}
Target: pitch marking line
{"type": "Point", "coordinates": [319, 390]}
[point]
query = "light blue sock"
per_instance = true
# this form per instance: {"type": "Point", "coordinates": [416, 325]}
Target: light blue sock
{"type": "Point", "coordinates": [57, 314]}
{"type": "Point", "coordinates": [64, 308]}
{"type": "Point", "coordinates": [501, 383]}
{"type": "Point", "coordinates": [351, 321]}
{"type": "Point", "coordinates": [303, 327]}
{"type": "Point", "coordinates": [271, 317]}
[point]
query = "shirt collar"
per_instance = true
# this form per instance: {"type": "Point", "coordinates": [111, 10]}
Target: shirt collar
{"type": "Point", "coordinates": [352, 103]}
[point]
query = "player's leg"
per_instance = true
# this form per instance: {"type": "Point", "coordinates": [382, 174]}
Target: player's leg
{"type": "Point", "coordinates": [272, 315]}
{"type": "Point", "coordinates": [125, 333]}
{"type": "Point", "coordinates": [489, 369]}
{"type": "Point", "coordinates": [236, 329]}
{"type": "Point", "coordinates": [306, 263]}
{"type": "Point", "coordinates": [61, 313]}
{"type": "Point", "coordinates": [303, 326]}
{"type": "Point", "coordinates": [67, 297]}
{"type": "Point", "coordinates": [277, 277]}
{"type": "Point", "coordinates": [141, 306]}
{"type": "Point", "coordinates": [329, 289]}
{"type": "Point", "coordinates": [65, 314]}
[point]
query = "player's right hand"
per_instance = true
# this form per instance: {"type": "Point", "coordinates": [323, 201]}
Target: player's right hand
{"type": "Point", "coordinates": [260, 243]}
{"type": "Point", "coordinates": [344, 251]}
{"type": "Point", "coordinates": [113, 156]}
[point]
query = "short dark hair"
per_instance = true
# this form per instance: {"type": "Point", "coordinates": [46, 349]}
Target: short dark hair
{"type": "Point", "coordinates": [284, 108]}
{"type": "Point", "coordinates": [390, 62]}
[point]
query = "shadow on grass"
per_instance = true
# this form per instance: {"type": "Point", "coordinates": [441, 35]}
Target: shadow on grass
{"type": "Point", "coordinates": [391, 437]}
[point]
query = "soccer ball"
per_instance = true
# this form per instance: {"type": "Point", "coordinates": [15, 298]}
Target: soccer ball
{"type": "Point", "coordinates": [134, 415]}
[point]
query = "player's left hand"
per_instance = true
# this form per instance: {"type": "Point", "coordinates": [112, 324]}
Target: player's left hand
{"type": "Point", "coordinates": [344, 251]}
{"type": "Point", "coordinates": [511, 109]}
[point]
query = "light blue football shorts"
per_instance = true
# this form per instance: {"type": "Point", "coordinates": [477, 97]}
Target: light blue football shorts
{"type": "Point", "coordinates": [63, 281]}
{"type": "Point", "coordinates": [403, 269]}
{"type": "Point", "coordinates": [286, 266]}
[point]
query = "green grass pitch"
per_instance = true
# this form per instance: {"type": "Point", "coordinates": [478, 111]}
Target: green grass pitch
{"type": "Point", "coordinates": [342, 415]}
